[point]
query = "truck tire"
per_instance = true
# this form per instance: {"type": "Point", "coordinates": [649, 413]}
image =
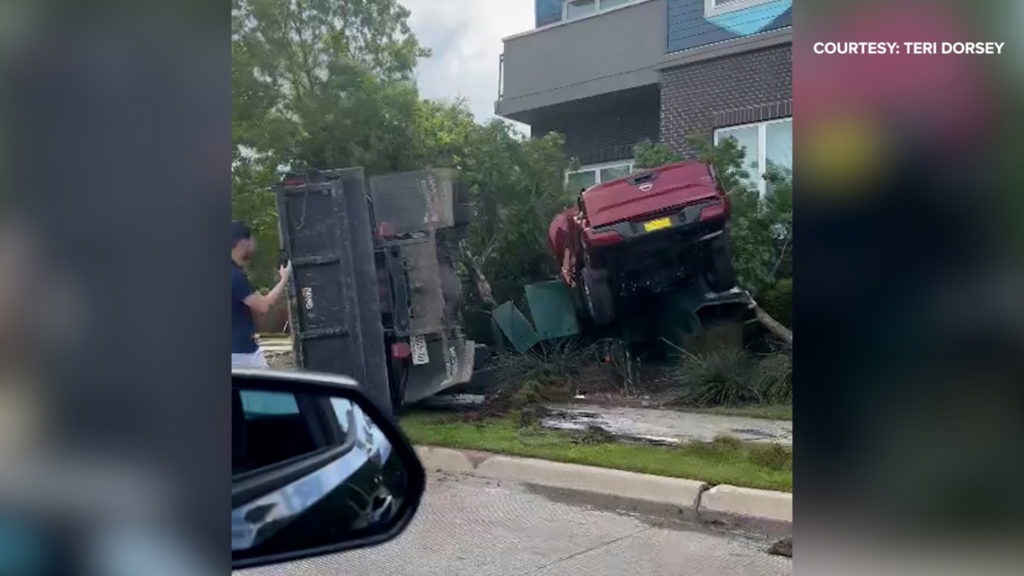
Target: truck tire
{"type": "Point", "coordinates": [597, 296]}
{"type": "Point", "coordinates": [719, 272]}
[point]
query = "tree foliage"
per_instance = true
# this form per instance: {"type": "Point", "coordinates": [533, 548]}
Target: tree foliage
{"type": "Point", "coordinates": [329, 84]}
{"type": "Point", "coordinates": [649, 154]}
{"type": "Point", "coordinates": [324, 82]}
{"type": "Point", "coordinates": [317, 83]}
{"type": "Point", "coordinates": [517, 185]}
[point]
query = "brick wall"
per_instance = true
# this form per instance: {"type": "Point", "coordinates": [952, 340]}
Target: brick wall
{"type": "Point", "coordinates": [605, 131]}
{"type": "Point", "coordinates": [751, 87]}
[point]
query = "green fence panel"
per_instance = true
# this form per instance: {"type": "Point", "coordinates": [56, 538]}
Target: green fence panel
{"type": "Point", "coordinates": [515, 326]}
{"type": "Point", "coordinates": [552, 310]}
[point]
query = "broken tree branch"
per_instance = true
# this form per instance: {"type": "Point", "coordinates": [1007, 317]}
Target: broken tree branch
{"type": "Point", "coordinates": [773, 326]}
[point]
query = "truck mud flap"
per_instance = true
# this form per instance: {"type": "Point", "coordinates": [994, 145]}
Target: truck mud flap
{"type": "Point", "coordinates": [451, 364]}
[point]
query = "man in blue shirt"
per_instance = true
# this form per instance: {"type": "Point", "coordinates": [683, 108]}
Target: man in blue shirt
{"type": "Point", "coordinates": [246, 302]}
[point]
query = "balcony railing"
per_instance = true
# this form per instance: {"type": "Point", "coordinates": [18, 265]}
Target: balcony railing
{"type": "Point", "coordinates": [607, 52]}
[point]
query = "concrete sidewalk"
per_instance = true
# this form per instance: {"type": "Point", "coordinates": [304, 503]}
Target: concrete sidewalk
{"type": "Point", "coordinates": [763, 511]}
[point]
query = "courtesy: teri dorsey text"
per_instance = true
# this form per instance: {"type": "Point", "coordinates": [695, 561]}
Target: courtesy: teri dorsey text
{"type": "Point", "coordinates": [881, 48]}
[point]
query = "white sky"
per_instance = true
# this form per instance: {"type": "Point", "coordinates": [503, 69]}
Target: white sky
{"type": "Point", "coordinates": [465, 36]}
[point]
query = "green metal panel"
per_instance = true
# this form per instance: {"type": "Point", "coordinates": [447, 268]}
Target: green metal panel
{"type": "Point", "coordinates": [682, 309]}
{"type": "Point", "coordinates": [515, 326]}
{"type": "Point", "coordinates": [552, 309]}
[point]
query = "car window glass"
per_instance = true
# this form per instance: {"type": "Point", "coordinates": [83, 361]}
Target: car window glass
{"type": "Point", "coordinates": [258, 404]}
{"type": "Point", "coordinates": [275, 429]}
{"type": "Point", "coordinates": [343, 409]}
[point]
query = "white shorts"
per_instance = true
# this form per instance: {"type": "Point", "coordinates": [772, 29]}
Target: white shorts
{"type": "Point", "coordinates": [253, 360]}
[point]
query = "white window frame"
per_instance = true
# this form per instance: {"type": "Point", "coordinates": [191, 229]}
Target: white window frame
{"type": "Point", "coordinates": [629, 164]}
{"type": "Point", "coordinates": [762, 146]}
{"type": "Point", "coordinates": [598, 9]}
{"type": "Point", "coordinates": [713, 8]}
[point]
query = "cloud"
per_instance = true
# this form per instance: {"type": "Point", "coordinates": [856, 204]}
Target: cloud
{"type": "Point", "coordinates": [465, 36]}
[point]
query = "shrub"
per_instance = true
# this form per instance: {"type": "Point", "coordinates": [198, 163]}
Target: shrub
{"type": "Point", "coordinates": [649, 154]}
{"type": "Point", "coordinates": [732, 377]}
{"type": "Point", "coordinates": [549, 363]}
{"type": "Point", "coordinates": [772, 376]}
{"type": "Point", "coordinates": [772, 456]}
{"type": "Point", "coordinates": [547, 374]}
{"type": "Point", "coordinates": [716, 379]}
{"type": "Point", "coordinates": [595, 435]}
{"type": "Point", "coordinates": [529, 393]}
{"type": "Point", "coordinates": [720, 446]}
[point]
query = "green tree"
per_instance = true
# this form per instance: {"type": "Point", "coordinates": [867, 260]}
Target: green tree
{"type": "Point", "coordinates": [325, 82]}
{"type": "Point", "coordinates": [328, 83]}
{"type": "Point", "coordinates": [517, 186]}
{"type": "Point", "coordinates": [252, 200]}
{"type": "Point", "coordinates": [317, 84]}
{"type": "Point", "coordinates": [649, 154]}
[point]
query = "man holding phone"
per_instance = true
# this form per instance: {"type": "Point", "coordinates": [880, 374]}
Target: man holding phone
{"type": "Point", "coordinates": [246, 303]}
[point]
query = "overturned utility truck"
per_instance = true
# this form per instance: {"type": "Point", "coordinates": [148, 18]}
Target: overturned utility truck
{"type": "Point", "coordinates": [375, 295]}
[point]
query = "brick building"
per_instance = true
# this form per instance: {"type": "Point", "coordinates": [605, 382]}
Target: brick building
{"type": "Point", "coordinates": [612, 73]}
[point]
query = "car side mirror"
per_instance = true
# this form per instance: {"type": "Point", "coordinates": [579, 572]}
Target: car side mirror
{"type": "Point", "coordinates": [316, 469]}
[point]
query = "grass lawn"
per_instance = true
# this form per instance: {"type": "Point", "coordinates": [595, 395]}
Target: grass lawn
{"type": "Point", "coordinates": [724, 461]}
{"type": "Point", "coordinates": [766, 411]}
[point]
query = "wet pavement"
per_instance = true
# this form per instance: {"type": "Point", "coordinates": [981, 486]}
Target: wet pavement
{"type": "Point", "coordinates": [667, 426]}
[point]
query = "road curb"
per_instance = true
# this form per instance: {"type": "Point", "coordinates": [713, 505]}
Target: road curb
{"type": "Point", "coordinates": [763, 510]}
{"type": "Point", "coordinates": [602, 481]}
{"type": "Point", "coordinates": [436, 459]}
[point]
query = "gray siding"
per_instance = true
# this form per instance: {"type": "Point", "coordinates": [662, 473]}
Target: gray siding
{"type": "Point", "coordinates": [606, 53]}
{"type": "Point", "coordinates": [749, 87]}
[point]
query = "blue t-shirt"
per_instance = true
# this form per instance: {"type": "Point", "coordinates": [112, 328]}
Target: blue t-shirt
{"type": "Point", "coordinates": [243, 328]}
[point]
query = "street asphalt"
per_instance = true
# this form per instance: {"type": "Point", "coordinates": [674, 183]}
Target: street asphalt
{"type": "Point", "coordinates": [477, 527]}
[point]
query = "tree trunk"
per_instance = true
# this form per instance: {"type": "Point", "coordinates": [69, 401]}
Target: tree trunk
{"type": "Point", "coordinates": [483, 289]}
{"type": "Point", "coordinates": [773, 326]}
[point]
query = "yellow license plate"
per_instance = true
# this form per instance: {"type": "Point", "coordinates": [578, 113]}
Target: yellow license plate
{"type": "Point", "coordinates": [657, 224]}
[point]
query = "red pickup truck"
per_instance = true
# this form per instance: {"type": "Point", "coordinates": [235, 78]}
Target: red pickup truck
{"type": "Point", "coordinates": [644, 233]}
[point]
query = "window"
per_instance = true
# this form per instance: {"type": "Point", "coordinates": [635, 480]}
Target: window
{"type": "Point", "coordinates": [344, 410]}
{"type": "Point", "coordinates": [594, 174]}
{"type": "Point", "coordinates": [579, 8]}
{"type": "Point", "coordinates": [576, 9]}
{"type": "Point", "coordinates": [768, 145]}
{"type": "Point", "coordinates": [257, 404]}
{"type": "Point", "coordinates": [609, 4]}
{"type": "Point", "coordinates": [717, 7]}
{"type": "Point", "coordinates": [269, 428]}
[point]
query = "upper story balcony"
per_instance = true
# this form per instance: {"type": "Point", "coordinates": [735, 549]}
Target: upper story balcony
{"type": "Point", "coordinates": [598, 53]}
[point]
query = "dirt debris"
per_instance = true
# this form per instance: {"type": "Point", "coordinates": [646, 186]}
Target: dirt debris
{"type": "Point", "coordinates": [782, 547]}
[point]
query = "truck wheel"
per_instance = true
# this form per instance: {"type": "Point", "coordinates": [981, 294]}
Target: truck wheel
{"type": "Point", "coordinates": [597, 296]}
{"type": "Point", "coordinates": [719, 274]}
